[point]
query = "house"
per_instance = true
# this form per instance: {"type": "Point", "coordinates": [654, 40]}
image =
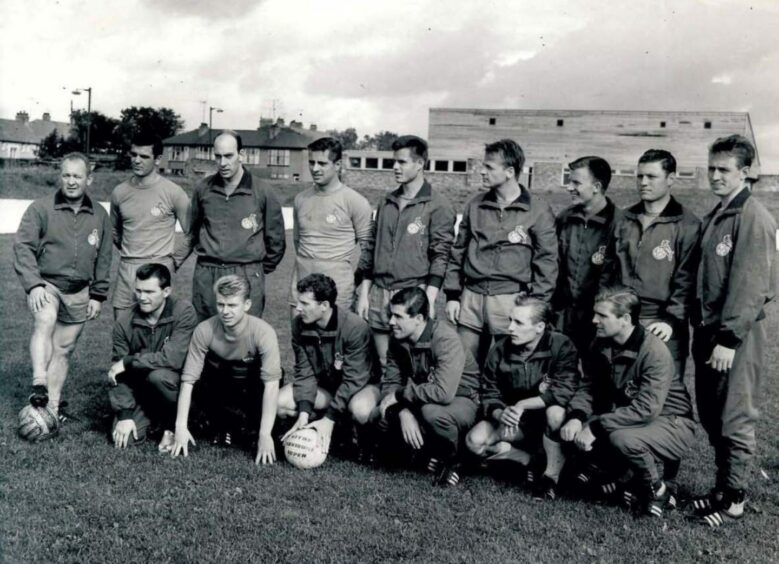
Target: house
{"type": "Point", "coordinates": [273, 150]}
{"type": "Point", "coordinates": [21, 138]}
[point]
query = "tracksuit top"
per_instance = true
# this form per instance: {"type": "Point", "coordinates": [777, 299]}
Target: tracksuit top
{"type": "Point", "coordinates": [504, 251]}
{"type": "Point", "coordinates": [435, 369]}
{"type": "Point", "coordinates": [412, 245]}
{"type": "Point", "coordinates": [551, 371]}
{"type": "Point", "coordinates": [149, 347]}
{"type": "Point", "coordinates": [659, 263]}
{"type": "Point", "coordinates": [338, 358]}
{"type": "Point", "coordinates": [68, 249]}
{"type": "Point", "coordinates": [242, 228]}
{"type": "Point", "coordinates": [583, 242]}
{"type": "Point", "coordinates": [628, 385]}
{"type": "Point", "coordinates": [737, 276]}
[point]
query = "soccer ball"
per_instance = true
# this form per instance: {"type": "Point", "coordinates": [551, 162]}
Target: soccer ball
{"type": "Point", "coordinates": [304, 450]}
{"type": "Point", "coordinates": [37, 423]}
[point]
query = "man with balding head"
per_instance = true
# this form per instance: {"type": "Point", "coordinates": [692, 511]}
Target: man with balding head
{"type": "Point", "coordinates": [236, 227]}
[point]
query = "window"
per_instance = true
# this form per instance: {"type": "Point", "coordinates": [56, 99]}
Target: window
{"type": "Point", "coordinates": [371, 162]}
{"type": "Point", "coordinates": [278, 157]}
{"type": "Point", "coordinates": [685, 173]}
{"type": "Point", "coordinates": [441, 166]}
{"type": "Point", "coordinates": [296, 177]}
{"type": "Point", "coordinates": [459, 166]}
{"type": "Point", "coordinates": [177, 153]}
{"type": "Point", "coordinates": [707, 124]}
{"type": "Point", "coordinates": [623, 171]}
{"type": "Point", "coordinates": [387, 164]}
{"type": "Point", "coordinates": [279, 175]}
{"type": "Point", "coordinates": [355, 162]}
{"type": "Point", "coordinates": [493, 121]}
{"type": "Point", "coordinates": [560, 122]}
{"type": "Point", "coordinates": [252, 156]}
{"type": "Point", "coordinates": [204, 152]}
{"type": "Point", "coordinates": [565, 179]}
{"type": "Point", "coordinates": [662, 125]}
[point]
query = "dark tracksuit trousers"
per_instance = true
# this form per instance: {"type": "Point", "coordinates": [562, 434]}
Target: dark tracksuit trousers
{"type": "Point", "coordinates": [139, 394]}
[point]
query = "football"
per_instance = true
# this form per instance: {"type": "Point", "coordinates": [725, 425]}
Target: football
{"type": "Point", "coordinates": [37, 423]}
{"type": "Point", "coordinates": [304, 450]}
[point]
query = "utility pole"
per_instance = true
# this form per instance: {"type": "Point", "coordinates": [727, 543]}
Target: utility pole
{"type": "Point", "coordinates": [78, 92]}
{"type": "Point", "coordinates": [211, 111]}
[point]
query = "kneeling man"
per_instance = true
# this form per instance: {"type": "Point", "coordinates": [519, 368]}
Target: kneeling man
{"type": "Point", "coordinates": [334, 362]}
{"type": "Point", "coordinates": [528, 379]}
{"type": "Point", "coordinates": [236, 355]}
{"type": "Point", "coordinates": [632, 407]}
{"type": "Point", "coordinates": [430, 384]}
{"type": "Point", "coordinates": [150, 342]}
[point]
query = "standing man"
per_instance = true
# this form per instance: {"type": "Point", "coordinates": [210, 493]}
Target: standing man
{"type": "Point", "coordinates": [150, 342]}
{"type": "Point", "coordinates": [506, 245]}
{"type": "Point", "coordinates": [736, 278]}
{"type": "Point", "coordinates": [583, 230]}
{"type": "Point", "coordinates": [334, 364]}
{"type": "Point", "coordinates": [332, 222]}
{"type": "Point", "coordinates": [430, 385]}
{"type": "Point", "coordinates": [414, 234]}
{"type": "Point", "coordinates": [144, 210]}
{"type": "Point", "coordinates": [63, 259]}
{"type": "Point", "coordinates": [236, 227]}
{"type": "Point", "coordinates": [654, 251]}
{"type": "Point", "coordinates": [236, 355]}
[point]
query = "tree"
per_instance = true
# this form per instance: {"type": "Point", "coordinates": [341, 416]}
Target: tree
{"type": "Point", "coordinates": [381, 141]}
{"type": "Point", "coordinates": [347, 137]}
{"type": "Point", "coordinates": [51, 146]}
{"type": "Point", "coordinates": [163, 122]}
{"type": "Point", "coordinates": [102, 132]}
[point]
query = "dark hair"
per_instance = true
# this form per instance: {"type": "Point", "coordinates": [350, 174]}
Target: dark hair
{"type": "Point", "coordinates": [510, 152]}
{"type": "Point", "coordinates": [234, 134]}
{"type": "Point", "coordinates": [413, 300]}
{"type": "Point", "coordinates": [598, 167]}
{"type": "Point", "coordinates": [541, 310]}
{"type": "Point", "coordinates": [154, 270]}
{"type": "Point", "coordinates": [666, 159]}
{"type": "Point", "coordinates": [736, 145]}
{"type": "Point", "coordinates": [232, 285]}
{"type": "Point", "coordinates": [623, 301]}
{"type": "Point", "coordinates": [148, 139]}
{"type": "Point", "coordinates": [76, 156]}
{"type": "Point", "coordinates": [331, 145]}
{"type": "Point", "coordinates": [322, 286]}
{"type": "Point", "coordinates": [416, 145]}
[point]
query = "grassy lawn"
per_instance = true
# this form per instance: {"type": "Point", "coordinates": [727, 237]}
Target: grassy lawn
{"type": "Point", "coordinates": [76, 499]}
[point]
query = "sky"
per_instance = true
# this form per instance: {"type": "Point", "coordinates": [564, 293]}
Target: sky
{"type": "Point", "coordinates": [381, 65]}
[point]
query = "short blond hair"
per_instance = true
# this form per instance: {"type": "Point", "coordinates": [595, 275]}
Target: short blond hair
{"type": "Point", "coordinates": [232, 285]}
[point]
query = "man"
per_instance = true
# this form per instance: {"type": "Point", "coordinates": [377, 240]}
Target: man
{"type": "Point", "coordinates": [150, 344]}
{"type": "Point", "coordinates": [632, 407]}
{"type": "Point", "coordinates": [63, 259]}
{"type": "Point", "coordinates": [236, 227]}
{"type": "Point", "coordinates": [528, 379]}
{"type": "Point", "coordinates": [414, 233]}
{"type": "Point", "coordinates": [144, 211]}
{"type": "Point", "coordinates": [330, 222]}
{"type": "Point", "coordinates": [654, 251]}
{"type": "Point", "coordinates": [506, 245]}
{"type": "Point", "coordinates": [334, 363]}
{"type": "Point", "coordinates": [237, 357]}
{"type": "Point", "coordinates": [430, 385]}
{"type": "Point", "coordinates": [583, 231]}
{"type": "Point", "coordinates": [736, 279]}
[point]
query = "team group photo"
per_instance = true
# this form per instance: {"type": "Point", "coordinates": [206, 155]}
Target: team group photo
{"type": "Point", "coordinates": [525, 335]}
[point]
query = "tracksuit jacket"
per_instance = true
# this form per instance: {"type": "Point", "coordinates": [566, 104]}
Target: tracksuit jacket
{"type": "Point", "coordinates": [68, 249]}
{"type": "Point", "coordinates": [629, 385]}
{"type": "Point", "coordinates": [149, 347]}
{"type": "Point", "coordinates": [435, 369]}
{"type": "Point", "coordinates": [412, 246]}
{"type": "Point", "coordinates": [338, 358]}
{"type": "Point", "coordinates": [550, 371]}
{"type": "Point", "coordinates": [737, 276]}
{"type": "Point", "coordinates": [242, 228]}
{"type": "Point", "coordinates": [659, 264]}
{"type": "Point", "coordinates": [504, 251]}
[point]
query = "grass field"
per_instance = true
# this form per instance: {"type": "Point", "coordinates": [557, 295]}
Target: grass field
{"type": "Point", "coordinates": [76, 499]}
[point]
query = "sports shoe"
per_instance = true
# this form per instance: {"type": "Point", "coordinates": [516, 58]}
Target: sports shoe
{"type": "Point", "coordinates": [705, 504]}
{"type": "Point", "coordinates": [546, 488]}
{"type": "Point", "coordinates": [39, 396]}
{"type": "Point", "coordinates": [730, 508]}
{"type": "Point", "coordinates": [658, 505]}
{"type": "Point", "coordinates": [434, 466]}
{"type": "Point", "coordinates": [222, 439]}
{"type": "Point", "coordinates": [64, 415]}
{"type": "Point", "coordinates": [167, 442]}
{"type": "Point", "coordinates": [449, 476]}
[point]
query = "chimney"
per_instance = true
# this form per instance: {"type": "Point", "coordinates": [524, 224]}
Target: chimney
{"type": "Point", "coordinates": [312, 127]}
{"type": "Point", "coordinates": [46, 116]}
{"type": "Point", "coordinates": [23, 117]}
{"type": "Point", "coordinates": [264, 122]}
{"type": "Point", "coordinates": [280, 122]}
{"type": "Point", "coordinates": [298, 124]}
{"type": "Point", "coordinates": [202, 130]}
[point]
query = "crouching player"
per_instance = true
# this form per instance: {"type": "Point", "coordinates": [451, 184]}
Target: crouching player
{"type": "Point", "coordinates": [150, 343]}
{"type": "Point", "coordinates": [631, 408]}
{"type": "Point", "coordinates": [430, 385]}
{"type": "Point", "coordinates": [334, 362]}
{"type": "Point", "coordinates": [236, 357]}
{"type": "Point", "coordinates": [528, 379]}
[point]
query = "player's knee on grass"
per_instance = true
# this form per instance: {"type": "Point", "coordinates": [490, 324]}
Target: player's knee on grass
{"type": "Point", "coordinates": [479, 438]}
{"type": "Point", "coordinates": [362, 406]}
{"type": "Point", "coordinates": [555, 417]}
{"type": "Point", "coordinates": [286, 402]}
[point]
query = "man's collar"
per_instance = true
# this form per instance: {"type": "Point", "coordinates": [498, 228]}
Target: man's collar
{"type": "Point", "coordinates": [672, 209]}
{"type": "Point", "coordinates": [60, 202]}
{"type": "Point", "coordinates": [425, 337]}
{"type": "Point", "coordinates": [167, 313]}
{"type": "Point", "coordinates": [604, 216]}
{"type": "Point", "coordinates": [425, 193]}
{"type": "Point", "coordinates": [521, 201]}
{"type": "Point", "coordinates": [245, 183]}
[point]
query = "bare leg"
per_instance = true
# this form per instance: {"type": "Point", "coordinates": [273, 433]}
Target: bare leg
{"type": "Point", "coordinates": [63, 344]}
{"type": "Point", "coordinates": [44, 323]}
{"type": "Point", "coordinates": [381, 342]}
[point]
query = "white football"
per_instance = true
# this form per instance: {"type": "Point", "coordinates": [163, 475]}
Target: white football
{"type": "Point", "coordinates": [303, 449]}
{"type": "Point", "coordinates": [37, 423]}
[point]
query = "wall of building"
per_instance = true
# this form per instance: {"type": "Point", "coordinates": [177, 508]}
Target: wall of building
{"type": "Point", "coordinates": [13, 150]}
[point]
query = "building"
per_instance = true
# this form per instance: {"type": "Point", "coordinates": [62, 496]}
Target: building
{"type": "Point", "coordinates": [21, 138]}
{"type": "Point", "coordinates": [273, 150]}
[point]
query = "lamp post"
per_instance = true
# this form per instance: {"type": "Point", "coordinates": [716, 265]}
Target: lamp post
{"type": "Point", "coordinates": [78, 92]}
{"type": "Point", "coordinates": [211, 110]}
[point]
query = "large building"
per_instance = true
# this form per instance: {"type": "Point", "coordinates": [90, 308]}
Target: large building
{"type": "Point", "coordinates": [20, 138]}
{"type": "Point", "coordinates": [273, 150]}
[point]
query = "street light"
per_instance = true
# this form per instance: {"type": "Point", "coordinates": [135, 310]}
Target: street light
{"type": "Point", "coordinates": [78, 92]}
{"type": "Point", "coordinates": [211, 110]}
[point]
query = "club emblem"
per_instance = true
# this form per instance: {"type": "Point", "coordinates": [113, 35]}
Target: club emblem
{"type": "Point", "coordinates": [338, 362]}
{"type": "Point", "coordinates": [724, 248]}
{"type": "Point", "coordinates": [93, 238]}
{"type": "Point", "coordinates": [631, 390]}
{"type": "Point", "coordinates": [250, 223]}
{"type": "Point", "coordinates": [158, 210]}
{"type": "Point", "coordinates": [599, 256]}
{"type": "Point", "coordinates": [416, 227]}
{"type": "Point", "coordinates": [519, 235]}
{"type": "Point", "coordinates": [248, 359]}
{"type": "Point", "coordinates": [663, 251]}
{"type": "Point", "coordinates": [331, 218]}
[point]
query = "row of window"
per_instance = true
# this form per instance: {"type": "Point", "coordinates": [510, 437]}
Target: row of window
{"type": "Point", "coordinates": [384, 163]}
{"type": "Point", "coordinates": [276, 157]}
{"type": "Point", "coordinates": [565, 179]}
{"type": "Point", "coordinates": [663, 124]}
